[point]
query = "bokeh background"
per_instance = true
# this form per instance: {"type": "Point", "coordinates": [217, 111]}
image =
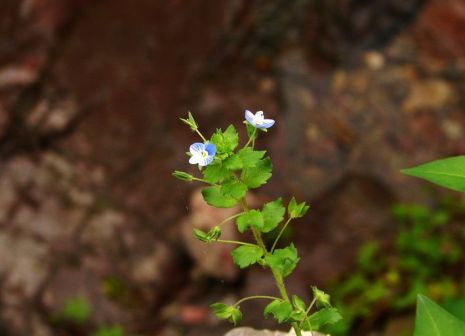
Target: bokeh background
{"type": "Point", "coordinates": [95, 233]}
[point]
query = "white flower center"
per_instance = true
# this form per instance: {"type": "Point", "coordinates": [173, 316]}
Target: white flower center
{"type": "Point", "coordinates": [204, 153]}
{"type": "Point", "coordinates": [258, 118]}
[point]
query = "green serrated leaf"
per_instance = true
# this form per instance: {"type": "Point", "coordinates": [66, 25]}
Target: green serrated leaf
{"type": "Point", "coordinates": [281, 310]}
{"type": "Point", "coordinates": [296, 210]}
{"type": "Point", "coordinates": [249, 157]}
{"type": "Point", "coordinates": [258, 175]}
{"type": "Point", "coordinates": [321, 318]}
{"type": "Point", "coordinates": [283, 260]}
{"type": "Point", "coordinates": [215, 173]}
{"type": "Point", "coordinates": [213, 196]}
{"type": "Point", "coordinates": [322, 299]}
{"type": "Point", "coordinates": [244, 158]}
{"type": "Point", "coordinates": [250, 218]}
{"type": "Point", "coordinates": [234, 188]}
{"type": "Point", "coordinates": [226, 141]}
{"type": "Point", "coordinates": [245, 255]}
{"type": "Point", "coordinates": [233, 162]}
{"type": "Point", "coordinates": [449, 172]}
{"type": "Point", "coordinates": [273, 214]}
{"type": "Point", "coordinates": [433, 320]}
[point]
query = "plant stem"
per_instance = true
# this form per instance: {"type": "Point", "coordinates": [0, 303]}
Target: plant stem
{"type": "Point", "coordinates": [204, 181]}
{"type": "Point", "coordinates": [278, 278]}
{"type": "Point", "coordinates": [251, 139]}
{"type": "Point", "coordinates": [280, 234]}
{"type": "Point", "coordinates": [229, 218]}
{"type": "Point", "coordinates": [234, 242]}
{"type": "Point", "coordinates": [200, 134]}
{"type": "Point", "coordinates": [256, 297]}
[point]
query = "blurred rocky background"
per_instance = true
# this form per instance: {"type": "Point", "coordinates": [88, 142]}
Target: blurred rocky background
{"type": "Point", "coordinates": [94, 231]}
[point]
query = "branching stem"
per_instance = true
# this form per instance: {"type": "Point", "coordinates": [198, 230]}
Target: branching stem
{"type": "Point", "coordinates": [280, 234]}
{"type": "Point", "coordinates": [256, 297]}
{"type": "Point", "coordinates": [234, 242]}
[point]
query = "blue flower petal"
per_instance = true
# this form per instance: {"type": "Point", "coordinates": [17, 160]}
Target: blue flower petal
{"type": "Point", "coordinates": [249, 117]}
{"type": "Point", "coordinates": [206, 161]}
{"type": "Point", "coordinates": [267, 123]}
{"type": "Point", "coordinates": [196, 147]}
{"type": "Point", "coordinates": [211, 149]}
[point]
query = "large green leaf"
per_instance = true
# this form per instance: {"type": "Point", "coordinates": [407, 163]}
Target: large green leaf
{"type": "Point", "coordinates": [283, 261]}
{"type": "Point", "coordinates": [432, 320]}
{"type": "Point", "coordinates": [215, 197]}
{"type": "Point", "coordinates": [245, 255]}
{"type": "Point", "coordinates": [449, 172]}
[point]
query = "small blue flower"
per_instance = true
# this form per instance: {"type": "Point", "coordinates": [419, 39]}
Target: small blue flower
{"type": "Point", "coordinates": [258, 120]}
{"type": "Point", "coordinates": [202, 154]}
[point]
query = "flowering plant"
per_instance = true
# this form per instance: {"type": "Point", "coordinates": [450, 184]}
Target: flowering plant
{"type": "Point", "coordinates": [229, 172]}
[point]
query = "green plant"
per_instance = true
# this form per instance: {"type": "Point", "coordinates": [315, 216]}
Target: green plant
{"type": "Point", "coordinates": [76, 310]}
{"type": "Point", "coordinates": [229, 173]}
{"type": "Point", "coordinates": [109, 331]}
{"type": "Point", "coordinates": [431, 319]}
{"type": "Point", "coordinates": [424, 258]}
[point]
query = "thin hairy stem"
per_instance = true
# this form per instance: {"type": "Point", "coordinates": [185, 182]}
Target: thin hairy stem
{"type": "Point", "coordinates": [256, 297]}
{"type": "Point", "coordinates": [229, 218]}
{"type": "Point", "coordinates": [201, 135]}
{"type": "Point", "coordinates": [251, 138]}
{"type": "Point", "coordinates": [234, 242]}
{"type": "Point", "coordinates": [280, 234]}
{"type": "Point", "coordinates": [278, 278]}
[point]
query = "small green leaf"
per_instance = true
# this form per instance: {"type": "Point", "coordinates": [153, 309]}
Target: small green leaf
{"type": "Point", "coordinates": [225, 312]}
{"type": "Point", "coordinates": [190, 121]}
{"type": "Point", "coordinates": [296, 210]}
{"type": "Point", "coordinates": [250, 218]}
{"type": "Point", "coordinates": [245, 255]}
{"type": "Point", "coordinates": [322, 299]}
{"type": "Point", "coordinates": [298, 303]}
{"type": "Point", "coordinates": [236, 316]}
{"type": "Point", "coordinates": [281, 310]}
{"type": "Point", "coordinates": [183, 176]}
{"type": "Point", "coordinates": [214, 233]}
{"type": "Point", "coordinates": [213, 196]}
{"type": "Point", "coordinates": [200, 235]}
{"type": "Point", "coordinates": [321, 318]}
{"type": "Point", "coordinates": [283, 260]}
{"type": "Point", "coordinates": [215, 173]}
{"type": "Point", "coordinates": [432, 320]}
{"type": "Point", "coordinates": [221, 310]}
{"type": "Point", "coordinates": [226, 141]}
{"type": "Point", "coordinates": [256, 176]}
{"type": "Point", "coordinates": [273, 214]}
{"type": "Point", "coordinates": [449, 172]}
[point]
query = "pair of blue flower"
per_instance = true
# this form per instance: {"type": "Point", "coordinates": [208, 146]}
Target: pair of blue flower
{"type": "Point", "coordinates": [203, 154]}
